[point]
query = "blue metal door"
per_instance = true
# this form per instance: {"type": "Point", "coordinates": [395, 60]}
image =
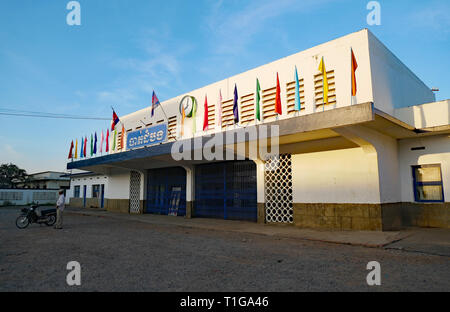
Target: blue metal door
{"type": "Point", "coordinates": [226, 190]}
{"type": "Point", "coordinates": [84, 196]}
{"type": "Point", "coordinates": [102, 204]}
{"type": "Point", "coordinates": [166, 191]}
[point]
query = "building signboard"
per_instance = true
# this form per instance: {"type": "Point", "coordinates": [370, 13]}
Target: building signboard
{"type": "Point", "coordinates": [148, 136]}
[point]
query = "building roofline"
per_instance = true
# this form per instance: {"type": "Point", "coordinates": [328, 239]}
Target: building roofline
{"type": "Point", "coordinates": [30, 174]}
{"type": "Point", "coordinates": [177, 97]}
{"type": "Point", "coordinates": [80, 174]}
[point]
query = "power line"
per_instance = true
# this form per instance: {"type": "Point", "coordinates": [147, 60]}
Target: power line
{"type": "Point", "coordinates": [23, 113]}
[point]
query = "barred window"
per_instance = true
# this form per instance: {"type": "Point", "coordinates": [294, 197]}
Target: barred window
{"type": "Point", "coordinates": [427, 180]}
{"type": "Point", "coordinates": [76, 191]}
{"type": "Point", "coordinates": [96, 191]}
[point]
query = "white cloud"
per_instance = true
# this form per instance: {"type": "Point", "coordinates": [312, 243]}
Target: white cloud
{"type": "Point", "coordinates": [234, 30]}
{"type": "Point", "coordinates": [9, 154]}
{"type": "Point", "coordinates": [32, 163]}
{"type": "Point", "coordinates": [158, 69]}
{"type": "Point", "coordinates": [435, 17]}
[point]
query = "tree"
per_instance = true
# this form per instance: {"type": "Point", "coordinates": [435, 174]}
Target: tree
{"type": "Point", "coordinates": [10, 174]}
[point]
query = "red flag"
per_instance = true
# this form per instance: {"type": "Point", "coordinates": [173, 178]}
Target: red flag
{"type": "Point", "coordinates": [85, 144]}
{"type": "Point", "coordinates": [115, 121]}
{"type": "Point", "coordinates": [70, 152]}
{"type": "Point", "coordinates": [354, 67]}
{"type": "Point", "coordinates": [107, 141]}
{"type": "Point", "coordinates": [278, 98]}
{"type": "Point", "coordinates": [205, 117]}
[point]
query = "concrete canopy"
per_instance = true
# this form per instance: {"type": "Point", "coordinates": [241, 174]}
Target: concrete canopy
{"type": "Point", "coordinates": [300, 134]}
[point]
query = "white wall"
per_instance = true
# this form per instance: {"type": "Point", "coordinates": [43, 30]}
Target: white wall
{"type": "Point", "coordinates": [337, 57]}
{"type": "Point", "coordinates": [394, 84]}
{"type": "Point", "coordinates": [27, 196]}
{"type": "Point", "coordinates": [89, 181]}
{"type": "Point", "coordinates": [342, 176]}
{"type": "Point", "coordinates": [426, 115]}
{"type": "Point", "coordinates": [437, 151]}
{"type": "Point", "coordinates": [118, 185]}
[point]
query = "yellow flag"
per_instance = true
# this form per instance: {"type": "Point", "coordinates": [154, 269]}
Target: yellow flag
{"type": "Point", "coordinates": [76, 149]}
{"type": "Point", "coordinates": [183, 116]}
{"type": "Point", "coordinates": [325, 81]}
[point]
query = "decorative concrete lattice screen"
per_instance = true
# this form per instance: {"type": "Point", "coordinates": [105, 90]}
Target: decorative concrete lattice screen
{"type": "Point", "coordinates": [172, 128]}
{"type": "Point", "coordinates": [211, 116]}
{"type": "Point", "coordinates": [290, 96]}
{"type": "Point", "coordinates": [247, 109]}
{"type": "Point", "coordinates": [318, 87]}
{"type": "Point", "coordinates": [278, 189]}
{"type": "Point", "coordinates": [268, 103]}
{"type": "Point", "coordinates": [135, 192]}
{"type": "Point", "coordinates": [227, 113]}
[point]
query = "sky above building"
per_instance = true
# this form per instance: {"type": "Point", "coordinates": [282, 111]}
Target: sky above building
{"type": "Point", "coordinates": [125, 49]}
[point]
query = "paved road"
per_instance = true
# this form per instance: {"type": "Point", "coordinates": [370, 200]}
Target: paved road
{"type": "Point", "coordinates": [125, 255]}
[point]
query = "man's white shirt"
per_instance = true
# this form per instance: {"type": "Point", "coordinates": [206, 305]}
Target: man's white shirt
{"type": "Point", "coordinates": [61, 202]}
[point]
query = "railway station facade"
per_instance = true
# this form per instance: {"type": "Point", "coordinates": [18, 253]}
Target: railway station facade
{"type": "Point", "coordinates": [378, 160]}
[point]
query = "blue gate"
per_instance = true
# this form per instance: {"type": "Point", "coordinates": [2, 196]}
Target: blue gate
{"type": "Point", "coordinates": [166, 191]}
{"type": "Point", "coordinates": [226, 190]}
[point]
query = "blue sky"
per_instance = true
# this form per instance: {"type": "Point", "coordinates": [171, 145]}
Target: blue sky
{"type": "Point", "coordinates": [125, 49]}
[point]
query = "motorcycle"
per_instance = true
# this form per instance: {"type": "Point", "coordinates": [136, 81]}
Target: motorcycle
{"type": "Point", "coordinates": [29, 215]}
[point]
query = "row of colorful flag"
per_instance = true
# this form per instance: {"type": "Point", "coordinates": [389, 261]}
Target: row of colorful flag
{"type": "Point", "coordinates": [155, 103]}
{"type": "Point", "coordinates": [84, 152]}
{"type": "Point", "coordinates": [278, 107]}
{"type": "Point", "coordinates": [94, 147]}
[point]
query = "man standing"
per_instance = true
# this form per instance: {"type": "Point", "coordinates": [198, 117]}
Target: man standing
{"type": "Point", "coordinates": [60, 204]}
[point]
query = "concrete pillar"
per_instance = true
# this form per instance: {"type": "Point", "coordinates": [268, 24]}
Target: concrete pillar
{"type": "Point", "coordinates": [190, 190]}
{"type": "Point", "coordinates": [260, 187]}
{"type": "Point", "coordinates": [383, 151]}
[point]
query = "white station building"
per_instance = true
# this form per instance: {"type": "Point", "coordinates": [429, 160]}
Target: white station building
{"type": "Point", "coordinates": [376, 161]}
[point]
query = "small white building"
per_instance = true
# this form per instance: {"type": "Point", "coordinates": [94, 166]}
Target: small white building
{"type": "Point", "coordinates": [377, 161]}
{"type": "Point", "coordinates": [50, 180]}
{"type": "Point", "coordinates": [87, 189]}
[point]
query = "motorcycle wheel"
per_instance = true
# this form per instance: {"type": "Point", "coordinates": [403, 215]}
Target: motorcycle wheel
{"type": "Point", "coordinates": [22, 222]}
{"type": "Point", "coordinates": [51, 220]}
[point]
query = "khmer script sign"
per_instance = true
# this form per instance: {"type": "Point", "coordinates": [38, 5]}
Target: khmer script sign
{"type": "Point", "coordinates": [148, 136]}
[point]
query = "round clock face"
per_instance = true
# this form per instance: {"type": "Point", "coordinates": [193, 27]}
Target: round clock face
{"type": "Point", "coordinates": [188, 103]}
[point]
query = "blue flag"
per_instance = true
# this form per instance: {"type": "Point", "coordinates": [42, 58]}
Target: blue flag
{"type": "Point", "coordinates": [82, 148]}
{"type": "Point", "coordinates": [298, 104]}
{"type": "Point", "coordinates": [95, 143]}
{"type": "Point", "coordinates": [235, 106]}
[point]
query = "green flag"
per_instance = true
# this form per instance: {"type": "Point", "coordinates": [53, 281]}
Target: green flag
{"type": "Point", "coordinates": [92, 145]}
{"type": "Point", "coordinates": [114, 140]}
{"type": "Point", "coordinates": [258, 98]}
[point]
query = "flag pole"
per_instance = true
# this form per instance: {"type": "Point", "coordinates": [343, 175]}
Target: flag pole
{"type": "Point", "coordinates": [170, 132]}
